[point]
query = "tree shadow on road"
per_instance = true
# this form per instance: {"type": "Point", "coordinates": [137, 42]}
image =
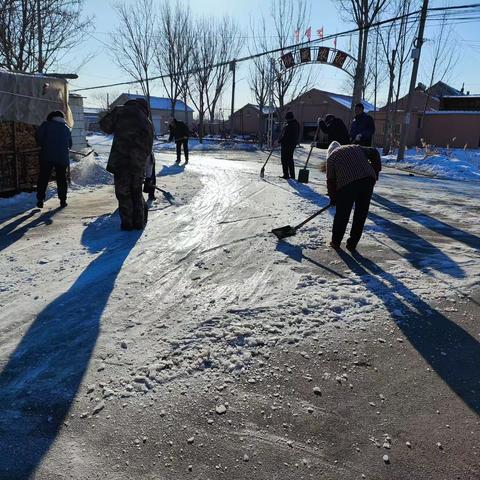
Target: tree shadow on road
{"type": "Point", "coordinates": [450, 350]}
{"type": "Point", "coordinates": [43, 374]}
{"type": "Point", "coordinates": [429, 222]}
{"type": "Point", "coordinates": [9, 233]}
{"type": "Point", "coordinates": [421, 254]}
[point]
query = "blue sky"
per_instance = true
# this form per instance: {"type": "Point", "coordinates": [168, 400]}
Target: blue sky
{"type": "Point", "coordinates": [101, 69]}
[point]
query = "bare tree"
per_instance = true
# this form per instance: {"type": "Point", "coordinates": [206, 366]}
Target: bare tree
{"type": "Point", "coordinates": [173, 48]}
{"type": "Point", "coordinates": [133, 41]}
{"type": "Point", "coordinates": [443, 56]}
{"type": "Point", "coordinates": [396, 39]}
{"type": "Point", "coordinates": [259, 82]}
{"type": "Point", "coordinates": [35, 40]}
{"type": "Point", "coordinates": [227, 47]}
{"type": "Point", "coordinates": [203, 54]}
{"type": "Point", "coordinates": [363, 13]}
{"type": "Point", "coordinates": [285, 17]}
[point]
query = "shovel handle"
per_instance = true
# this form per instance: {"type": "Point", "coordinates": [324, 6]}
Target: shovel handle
{"type": "Point", "coordinates": [268, 158]}
{"type": "Point", "coordinates": [311, 147]}
{"type": "Point", "coordinates": [311, 217]}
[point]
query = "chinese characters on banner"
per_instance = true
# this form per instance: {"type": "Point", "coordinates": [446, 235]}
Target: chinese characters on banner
{"type": "Point", "coordinates": [288, 60]}
{"type": "Point", "coordinates": [323, 54]}
{"type": "Point", "coordinates": [305, 55]}
{"type": "Point", "coordinates": [339, 59]}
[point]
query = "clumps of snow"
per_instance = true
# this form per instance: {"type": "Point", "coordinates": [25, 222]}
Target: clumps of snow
{"type": "Point", "coordinates": [24, 199]}
{"type": "Point", "coordinates": [456, 164]}
{"type": "Point", "coordinates": [90, 171]}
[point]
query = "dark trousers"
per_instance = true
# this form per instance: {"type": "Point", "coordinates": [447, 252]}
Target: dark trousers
{"type": "Point", "coordinates": [149, 184]}
{"type": "Point", "coordinates": [44, 177]}
{"type": "Point", "coordinates": [131, 204]}
{"type": "Point", "coordinates": [359, 193]}
{"type": "Point", "coordinates": [179, 143]}
{"type": "Point", "coordinates": [287, 162]}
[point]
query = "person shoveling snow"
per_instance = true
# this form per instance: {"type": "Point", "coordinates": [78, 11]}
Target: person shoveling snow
{"type": "Point", "coordinates": [352, 172]}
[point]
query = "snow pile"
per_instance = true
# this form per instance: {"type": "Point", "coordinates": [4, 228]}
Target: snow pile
{"type": "Point", "coordinates": [209, 144]}
{"type": "Point", "coordinates": [90, 171]}
{"type": "Point", "coordinates": [454, 164]}
{"type": "Point", "coordinates": [24, 198]}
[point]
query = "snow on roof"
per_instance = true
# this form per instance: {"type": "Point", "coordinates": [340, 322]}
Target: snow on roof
{"type": "Point", "coordinates": [453, 112]}
{"type": "Point", "coordinates": [160, 103]}
{"type": "Point", "coordinates": [265, 110]}
{"type": "Point", "coordinates": [92, 110]}
{"type": "Point", "coordinates": [346, 101]}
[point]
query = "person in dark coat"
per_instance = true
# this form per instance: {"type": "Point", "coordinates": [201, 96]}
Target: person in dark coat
{"type": "Point", "coordinates": [55, 140]}
{"type": "Point", "coordinates": [132, 145]}
{"type": "Point", "coordinates": [352, 172]}
{"type": "Point", "coordinates": [288, 140]}
{"type": "Point", "coordinates": [180, 133]}
{"type": "Point", "coordinates": [335, 129]}
{"type": "Point", "coordinates": [362, 128]}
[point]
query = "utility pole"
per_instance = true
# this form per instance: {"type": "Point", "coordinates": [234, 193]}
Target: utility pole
{"type": "Point", "coordinates": [232, 69]}
{"type": "Point", "coordinates": [416, 61]}
{"type": "Point", "coordinates": [40, 38]}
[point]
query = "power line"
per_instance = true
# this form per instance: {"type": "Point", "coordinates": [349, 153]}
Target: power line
{"type": "Point", "coordinates": [298, 45]}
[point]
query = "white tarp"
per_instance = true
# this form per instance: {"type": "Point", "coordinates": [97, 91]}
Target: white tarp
{"type": "Point", "coordinates": [30, 98]}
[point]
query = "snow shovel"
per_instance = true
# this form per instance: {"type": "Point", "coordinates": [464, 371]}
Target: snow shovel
{"type": "Point", "coordinates": [262, 171]}
{"type": "Point", "coordinates": [168, 196]}
{"type": "Point", "coordinates": [304, 173]}
{"type": "Point", "coordinates": [82, 154]}
{"type": "Point", "coordinates": [289, 231]}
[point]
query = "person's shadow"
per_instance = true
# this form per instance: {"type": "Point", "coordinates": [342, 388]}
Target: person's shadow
{"type": "Point", "coordinates": [449, 349]}
{"type": "Point", "coordinates": [12, 232]}
{"type": "Point", "coordinates": [42, 376]}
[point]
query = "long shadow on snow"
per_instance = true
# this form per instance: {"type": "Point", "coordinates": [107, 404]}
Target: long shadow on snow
{"type": "Point", "coordinates": [451, 351]}
{"type": "Point", "coordinates": [430, 222]}
{"type": "Point", "coordinates": [421, 254]}
{"type": "Point", "coordinates": [295, 252]}
{"type": "Point", "coordinates": [9, 233]}
{"type": "Point", "coordinates": [41, 379]}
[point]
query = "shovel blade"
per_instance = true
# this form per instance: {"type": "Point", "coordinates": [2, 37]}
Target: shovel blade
{"type": "Point", "coordinates": [303, 175]}
{"type": "Point", "coordinates": [284, 232]}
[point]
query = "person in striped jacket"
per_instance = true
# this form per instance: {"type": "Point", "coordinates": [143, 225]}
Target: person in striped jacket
{"type": "Point", "coordinates": [352, 172]}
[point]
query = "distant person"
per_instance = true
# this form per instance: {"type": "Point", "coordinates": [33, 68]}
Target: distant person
{"type": "Point", "coordinates": [335, 129]}
{"type": "Point", "coordinates": [362, 128]}
{"type": "Point", "coordinates": [55, 140]}
{"type": "Point", "coordinates": [352, 172]}
{"type": "Point", "coordinates": [180, 133]}
{"type": "Point", "coordinates": [288, 140]}
{"type": "Point", "coordinates": [150, 177]}
{"type": "Point", "coordinates": [132, 144]}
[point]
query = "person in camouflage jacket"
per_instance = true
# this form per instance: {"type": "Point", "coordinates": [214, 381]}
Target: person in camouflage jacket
{"type": "Point", "coordinates": [132, 144]}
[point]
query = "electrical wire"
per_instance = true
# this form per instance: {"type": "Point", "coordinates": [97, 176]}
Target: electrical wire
{"type": "Point", "coordinates": [435, 16]}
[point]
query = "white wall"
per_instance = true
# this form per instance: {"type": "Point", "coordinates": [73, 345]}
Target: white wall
{"type": "Point", "coordinates": [78, 131]}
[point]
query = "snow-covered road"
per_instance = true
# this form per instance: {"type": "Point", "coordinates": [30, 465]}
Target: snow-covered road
{"type": "Point", "coordinates": [93, 315]}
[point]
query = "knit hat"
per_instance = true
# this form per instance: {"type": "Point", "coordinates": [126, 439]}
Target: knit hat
{"type": "Point", "coordinates": [332, 147]}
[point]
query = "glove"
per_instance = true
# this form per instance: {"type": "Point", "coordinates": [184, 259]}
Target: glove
{"type": "Point", "coordinates": [358, 137]}
{"type": "Point", "coordinates": [319, 120]}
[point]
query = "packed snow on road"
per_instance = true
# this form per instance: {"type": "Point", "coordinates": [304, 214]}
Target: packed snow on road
{"type": "Point", "coordinates": [94, 319]}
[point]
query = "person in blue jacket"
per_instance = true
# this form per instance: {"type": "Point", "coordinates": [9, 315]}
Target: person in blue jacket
{"type": "Point", "coordinates": [55, 140]}
{"type": "Point", "coordinates": [362, 128]}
